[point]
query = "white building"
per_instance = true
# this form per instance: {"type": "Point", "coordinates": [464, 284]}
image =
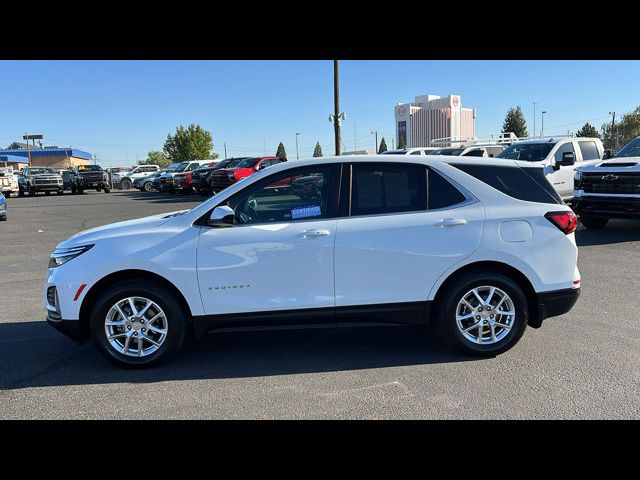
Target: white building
{"type": "Point", "coordinates": [431, 117]}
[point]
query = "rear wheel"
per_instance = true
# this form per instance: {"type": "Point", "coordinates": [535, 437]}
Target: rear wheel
{"type": "Point", "coordinates": [138, 324]}
{"type": "Point", "coordinates": [593, 222]}
{"type": "Point", "coordinates": [125, 184]}
{"type": "Point", "coordinates": [7, 194]}
{"type": "Point", "coordinates": [147, 186]}
{"type": "Point", "coordinates": [483, 313]}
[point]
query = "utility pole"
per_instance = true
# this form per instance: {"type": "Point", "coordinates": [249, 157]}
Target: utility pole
{"type": "Point", "coordinates": [225, 149]}
{"type": "Point", "coordinates": [336, 116]}
{"type": "Point", "coordinates": [614, 139]}
{"type": "Point", "coordinates": [534, 119]}
{"type": "Point", "coordinates": [375, 132]}
{"type": "Point", "coordinates": [28, 149]}
{"type": "Point", "coordinates": [542, 129]}
{"type": "Point", "coordinates": [297, 156]}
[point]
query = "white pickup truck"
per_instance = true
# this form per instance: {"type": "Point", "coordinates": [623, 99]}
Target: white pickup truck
{"type": "Point", "coordinates": [559, 157]}
{"type": "Point", "coordinates": [8, 181]}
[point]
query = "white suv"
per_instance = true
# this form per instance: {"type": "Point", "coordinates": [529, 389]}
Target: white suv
{"type": "Point", "coordinates": [484, 247]}
{"type": "Point", "coordinates": [559, 157]}
{"type": "Point", "coordinates": [126, 179]}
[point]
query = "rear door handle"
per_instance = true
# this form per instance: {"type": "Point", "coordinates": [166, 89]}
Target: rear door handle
{"type": "Point", "coordinates": [451, 222]}
{"type": "Point", "coordinates": [314, 233]}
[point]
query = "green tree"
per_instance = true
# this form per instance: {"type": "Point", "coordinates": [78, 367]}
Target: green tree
{"type": "Point", "coordinates": [191, 143]}
{"type": "Point", "coordinates": [618, 135]}
{"type": "Point", "coordinates": [317, 152]}
{"type": "Point", "coordinates": [281, 152]}
{"type": "Point", "coordinates": [383, 146]}
{"type": "Point", "coordinates": [155, 157]}
{"type": "Point", "coordinates": [515, 122]}
{"type": "Point", "coordinates": [588, 130]}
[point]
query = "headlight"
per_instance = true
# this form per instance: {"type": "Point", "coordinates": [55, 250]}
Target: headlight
{"type": "Point", "coordinates": [230, 176]}
{"type": "Point", "coordinates": [577, 180]}
{"type": "Point", "coordinates": [61, 256]}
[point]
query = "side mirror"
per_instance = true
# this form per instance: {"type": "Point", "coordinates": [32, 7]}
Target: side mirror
{"type": "Point", "coordinates": [568, 159]}
{"type": "Point", "coordinates": [262, 166]}
{"type": "Point", "coordinates": [222, 216]}
{"type": "Point", "coordinates": [608, 153]}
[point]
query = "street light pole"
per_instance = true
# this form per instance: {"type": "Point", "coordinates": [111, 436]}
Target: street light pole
{"type": "Point", "coordinates": [534, 119]}
{"type": "Point", "coordinates": [542, 130]}
{"type": "Point", "coordinates": [336, 106]}
{"type": "Point", "coordinates": [297, 156]}
{"type": "Point", "coordinates": [614, 139]}
{"type": "Point", "coordinates": [375, 132]}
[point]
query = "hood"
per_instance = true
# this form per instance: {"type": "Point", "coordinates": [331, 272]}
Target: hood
{"type": "Point", "coordinates": [119, 229]}
{"type": "Point", "coordinates": [616, 164]}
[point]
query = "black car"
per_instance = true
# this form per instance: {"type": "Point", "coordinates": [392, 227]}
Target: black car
{"type": "Point", "coordinates": [89, 176]}
{"type": "Point", "coordinates": [39, 179]}
{"type": "Point", "coordinates": [201, 178]}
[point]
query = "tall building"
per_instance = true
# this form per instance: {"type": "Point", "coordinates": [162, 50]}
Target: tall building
{"type": "Point", "coordinates": [431, 117]}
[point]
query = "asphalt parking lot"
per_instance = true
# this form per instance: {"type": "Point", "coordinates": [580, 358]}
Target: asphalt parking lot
{"type": "Point", "coordinates": [585, 364]}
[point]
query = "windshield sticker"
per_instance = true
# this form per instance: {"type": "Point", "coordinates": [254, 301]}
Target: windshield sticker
{"type": "Point", "coordinates": [303, 212]}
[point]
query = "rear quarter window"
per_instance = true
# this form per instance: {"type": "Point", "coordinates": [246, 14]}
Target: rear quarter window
{"type": "Point", "coordinates": [528, 184]}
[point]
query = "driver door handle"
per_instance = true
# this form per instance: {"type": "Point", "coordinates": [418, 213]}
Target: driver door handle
{"type": "Point", "coordinates": [314, 233]}
{"type": "Point", "coordinates": [451, 222]}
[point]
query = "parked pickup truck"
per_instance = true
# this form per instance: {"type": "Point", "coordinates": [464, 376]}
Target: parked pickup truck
{"type": "Point", "coordinates": [8, 181]}
{"type": "Point", "coordinates": [609, 189]}
{"type": "Point", "coordinates": [559, 157]}
{"type": "Point", "coordinates": [84, 177]}
{"type": "Point", "coordinates": [39, 179]}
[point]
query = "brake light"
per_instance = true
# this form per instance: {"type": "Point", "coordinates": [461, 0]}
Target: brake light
{"type": "Point", "coordinates": [565, 221]}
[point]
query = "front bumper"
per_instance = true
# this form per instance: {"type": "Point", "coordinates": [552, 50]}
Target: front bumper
{"type": "Point", "coordinates": [554, 303]}
{"type": "Point", "coordinates": [607, 207]}
{"type": "Point", "coordinates": [95, 184]}
{"type": "Point", "coordinates": [70, 328]}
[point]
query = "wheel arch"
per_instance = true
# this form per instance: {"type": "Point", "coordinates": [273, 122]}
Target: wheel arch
{"type": "Point", "coordinates": [516, 275]}
{"type": "Point", "coordinates": [119, 276]}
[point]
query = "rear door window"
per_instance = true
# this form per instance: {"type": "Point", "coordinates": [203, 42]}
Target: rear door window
{"type": "Point", "coordinates": [442, 193]}
{"type": "Point", "coordinates": [589, 150]}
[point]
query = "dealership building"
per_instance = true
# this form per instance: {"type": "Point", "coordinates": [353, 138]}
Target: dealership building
{"type": "Point", "coordinates": [431, 117]}
{"type": "Point", "coordinates": [55, 157]}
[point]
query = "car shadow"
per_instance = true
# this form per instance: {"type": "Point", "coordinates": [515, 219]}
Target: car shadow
{"type": "Point", "coordinates": [34, 355]}
{"type": "Point", "coordinates": [616, 231]}
{"type": "Point", "coordinates": [157, 197]}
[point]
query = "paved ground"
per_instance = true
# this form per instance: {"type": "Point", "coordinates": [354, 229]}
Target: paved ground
{"type": "Point", "coordinates": [585, 364]}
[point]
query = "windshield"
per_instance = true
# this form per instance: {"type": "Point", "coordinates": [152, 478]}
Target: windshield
{"type": "Point", "coordinates": [182, 167]}
{"type": "Point", "coordinates": [40, 171]}
{"type": "Point", "coordinates": [529, 152]}
{"type": "Point", "coordinates": [631, 149]}
{"type": "Point", "coordinates": [90, 168]}
{"type": "Point", "coordinates": [248, 163]}
{"type": "Point", "coordinates": [394, 152]}
{"type": "Point", "coordinates": [447, 151]}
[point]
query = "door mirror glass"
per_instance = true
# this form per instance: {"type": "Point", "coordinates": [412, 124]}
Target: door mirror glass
{"type": "Point", "coordinates": [222, 216]}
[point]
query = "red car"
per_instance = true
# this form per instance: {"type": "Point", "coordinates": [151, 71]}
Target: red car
{"type": "Point", "coordinates": [221, 179]}
{"type": "Point", "coordinates": [187, 180]}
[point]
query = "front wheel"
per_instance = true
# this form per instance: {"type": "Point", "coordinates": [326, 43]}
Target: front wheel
{"type": "Point", "coordinates": [125, 184]}
{"type": "Point", "coordinates": [148, 186]}
{"type": "Point", "coordinates": [593, 222]}
{"type": "Point", "coordinates": [138, 324]}
{"type": "Point", "coordinates": [107, 190]}
{"type": "Point", "coordinates": [483, 313]}
{"type": "Point", "coordinates": [7, 194]}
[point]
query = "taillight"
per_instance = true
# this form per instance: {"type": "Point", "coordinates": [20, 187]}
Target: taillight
{"type": "Point", "coordinates": [565, 221]}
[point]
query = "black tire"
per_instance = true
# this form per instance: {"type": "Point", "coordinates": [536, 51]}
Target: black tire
{"type": "Point", "coordinates": [147, 187]}
{"type": "Point", "coordinates": [177, 324]}
{"type": "Point", "coordinates": [3, 218]}
{"type": "Point", "coordinates": [107, 190]}
{"type": "Point", "coordinates": [73, 190]}
{"type": "Point", "coordinates": [47, 193]}
{"type": "Point", "coordinates": [594, 222]}
{"type": "Point", "coordinates": [447, 305]}
{"type": "Point", "coordinates": [98, 189]}
{"type": "Point", "coordinates": [32, 192]}
{"type": "Point", "coordinates": [125, 184]}
{"type": "Point", "coordinates": [80, 191]}
{"type": "Point", "coordinates": [60, 192]}
{"type": "Point", "coordinates": [7, 194]}
{"type": "Point", "coordinates": [20, 192]}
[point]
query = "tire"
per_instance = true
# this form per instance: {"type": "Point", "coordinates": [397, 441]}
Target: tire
{"type": "Point", "coordinates": [7, 194]}
{"type": "Point", "coordinates": [47, 193]}
{"type": "Point", "coordinates": [98, 189]}
{"type": "Point", "coordinates": [107, 190]}
{"type": "Point", "coordinates": [594, 222]}
{"type": "Point", "coordinates": [60, 192]}
{"type": "Point", "coordinates": [125, 184]}
{"type": "Point", "coordinates": [73, 190]}
{"type": "Point", "coordinates": [3, 218]}
{"type": "Point", "coordinates": [20, 192]}
{"type": "Point", "coordinates": [147, 187]}
{"type": "Point", "coordinates": [176, 325]}
{"type": "Point", "coordinates": [80, 191]}
{"type": "Point", "coordinates": [32, 192]}
{"type": "Point", "coordinates": [448, 309]}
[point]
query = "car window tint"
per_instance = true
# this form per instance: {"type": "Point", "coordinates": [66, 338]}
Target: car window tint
{"type": "Point", "coordinates": [442, 193]}
{"type": "Point", "coordinates": [301, 194]}
{"type": "Point", "coordinates": [387, 188]}
{"type": "Point", "coordinates": [589, 150]}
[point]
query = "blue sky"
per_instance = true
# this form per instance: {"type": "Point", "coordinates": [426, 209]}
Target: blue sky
{"type": "Point", "coordinates": [119, 110]}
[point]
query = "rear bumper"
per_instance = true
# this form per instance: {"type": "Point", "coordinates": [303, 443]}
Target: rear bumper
{"type": "Point", "coordinates": [607, 207]}
{"type": "Point", "coordinates": [552, 304]}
